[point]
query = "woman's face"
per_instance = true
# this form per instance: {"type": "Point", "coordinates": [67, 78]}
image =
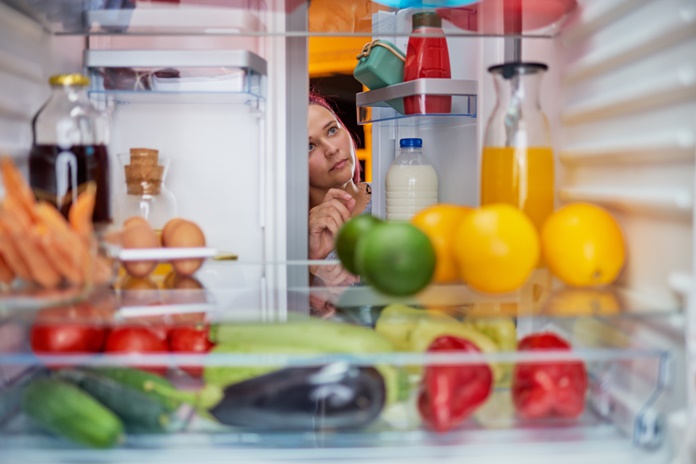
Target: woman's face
{"type": "Point", "coordinates": [331, 157]}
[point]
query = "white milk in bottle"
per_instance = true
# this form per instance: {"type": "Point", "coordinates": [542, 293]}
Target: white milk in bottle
{"type": "Point", "coordinates": [411, 182]}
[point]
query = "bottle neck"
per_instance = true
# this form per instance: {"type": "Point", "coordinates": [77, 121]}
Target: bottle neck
{"type": "Point", "coordinates": [517, 119]}
{"type": "Point", "coordinates": [521, 90]}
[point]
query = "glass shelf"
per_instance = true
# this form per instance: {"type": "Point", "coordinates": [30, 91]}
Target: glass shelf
{"type": "Point", "coordinates": [627, 373]}
{"type": "Point", "coordinates": [536, 18]}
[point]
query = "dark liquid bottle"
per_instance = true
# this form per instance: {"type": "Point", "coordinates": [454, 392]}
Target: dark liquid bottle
{"type": "Point", "coordinates": [69, 151]}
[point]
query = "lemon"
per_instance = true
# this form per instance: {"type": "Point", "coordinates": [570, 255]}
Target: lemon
{"type": "Point", "coordinates": [583, 245]}
{"type": "Point", "coordinates": [497, 248]}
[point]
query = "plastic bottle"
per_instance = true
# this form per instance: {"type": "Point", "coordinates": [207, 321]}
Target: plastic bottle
{"type": "Point", "coordinates": [427, 56]}
{"type": "Point", "coordinates": [69, 150]}
{"type": "Point", "coordinates": [411, 182]}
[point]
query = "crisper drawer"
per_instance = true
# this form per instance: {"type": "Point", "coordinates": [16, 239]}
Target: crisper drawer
{"type": "Point", "coordinates": [447, 374]}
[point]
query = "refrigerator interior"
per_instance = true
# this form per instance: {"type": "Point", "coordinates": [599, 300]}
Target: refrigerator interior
{"type": "Point", "coordinates": [619, 95]}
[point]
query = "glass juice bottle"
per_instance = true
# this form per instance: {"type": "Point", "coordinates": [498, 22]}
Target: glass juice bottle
{"type": "Point", "coordinates": [69, 150]}
{"type": "Point", "coordinates": [517, 165]}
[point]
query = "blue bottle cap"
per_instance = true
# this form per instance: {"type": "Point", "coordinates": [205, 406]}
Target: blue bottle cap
{"type": "Point", "coordinates": [417, 143]}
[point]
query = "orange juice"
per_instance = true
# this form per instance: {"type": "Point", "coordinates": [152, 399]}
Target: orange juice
{"type": "Point", "coordinates": [522, 177]}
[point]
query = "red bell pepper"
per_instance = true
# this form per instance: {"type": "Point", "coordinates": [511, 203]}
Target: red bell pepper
{"type": "Point", "coordinates": [547, 389]}
{"type": "Point", "coordinates": [450, 393]}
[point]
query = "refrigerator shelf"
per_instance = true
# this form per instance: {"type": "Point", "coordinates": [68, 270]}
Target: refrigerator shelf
{"type": "Point", "coordinates": [238, 289]}
{"type": "Point", "coordinates": [177, 76]}
{"type": "Point", "coordinates": [627, 371]}
{"type": "Point", "coordinates": [461, 95]}
{"type": "Point", "coordinates": [487, 18]}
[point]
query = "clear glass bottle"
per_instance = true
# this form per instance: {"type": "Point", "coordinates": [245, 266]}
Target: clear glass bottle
{"type": "Point", "coordinates": [517, 165]}
{"type": "Point", "coordinates": [145, 194]}
{"type": "Point", "coordinates": [70, 148]}
{"type": "Point", "coordinates": [411, 182]}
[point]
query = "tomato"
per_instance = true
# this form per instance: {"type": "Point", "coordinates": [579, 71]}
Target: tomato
{"type": "Point", "coordinates": [76, 328]}
{"type": "Point", "coordinates": [190, 340]}
{"type": "Point", "coordinates": [134, 339]}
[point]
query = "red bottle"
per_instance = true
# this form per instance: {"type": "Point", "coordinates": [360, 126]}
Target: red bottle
{"type": "Point", "coordinates": [427, 56]}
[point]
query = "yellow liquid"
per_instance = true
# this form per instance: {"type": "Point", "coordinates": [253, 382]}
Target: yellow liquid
{"type": "Point", "coordinates": [521, 177]}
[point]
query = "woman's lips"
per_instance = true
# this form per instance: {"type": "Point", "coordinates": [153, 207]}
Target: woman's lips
{"type": "Point", "coordinates": [339, 165]}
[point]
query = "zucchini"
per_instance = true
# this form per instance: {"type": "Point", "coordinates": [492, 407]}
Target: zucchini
{"type": "Point", "coordinates": [320, 334]}
{"type": "Point", "coordinates": [70, 412]}
{"type": "Point", "coordinates": [136, 379]}
{"type": "Point", "coordinates": [139, 411]}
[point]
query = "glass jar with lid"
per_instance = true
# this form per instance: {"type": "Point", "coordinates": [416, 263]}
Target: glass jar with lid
{"type": "Point", "coordinates": [70, 148]}
{"type": "Point", "coordinates": [144, 193]}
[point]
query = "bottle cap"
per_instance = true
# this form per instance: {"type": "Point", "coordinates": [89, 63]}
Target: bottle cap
{"type": "Point", "coordinates": [416, 143]}
{"type": "Point", "coordinates": [69, 79]}
{"type": "Point", "coordinates": [426, 19]}
{"type": "Point", "coordinates": [517, 68]}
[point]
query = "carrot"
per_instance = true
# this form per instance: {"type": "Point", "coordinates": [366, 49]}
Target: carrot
{"type": "Point", "coordinates": [68, 248]}
{"type": "Point", "coordinates": [9, 252]}
{"type": "Point", "coordinates": [26, 242]}
{"type": "Point", "coordinates": [16, 188]}
{"type": "Point", "coordinates": [6, 273]}
{"type": "Point", "coordinates": [80, 214]}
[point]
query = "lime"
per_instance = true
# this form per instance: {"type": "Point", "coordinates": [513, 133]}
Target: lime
{"type": "Point", "coordinates": [348, 236]}
{"type": "Point", "coordinates": [396, 258]}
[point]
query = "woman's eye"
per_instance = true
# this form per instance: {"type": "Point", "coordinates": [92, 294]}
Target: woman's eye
{"type": "Point", "coordinates": [333, 130]}
{"type": "Point", "coordinates": [311, 146]}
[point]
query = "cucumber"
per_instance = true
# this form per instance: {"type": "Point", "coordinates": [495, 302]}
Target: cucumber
{"type": "Point", "coordinates": [136, 379]}
{"type": "Point", "coordinates": [322, 335]}
{"type": "Point", "coordinates": [139, 411]}
{"type": "Point", "coordinates": [70, 412]}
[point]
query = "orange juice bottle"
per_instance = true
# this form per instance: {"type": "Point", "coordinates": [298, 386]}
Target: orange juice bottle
{"type": "Point", "coordinates": [517, 163]}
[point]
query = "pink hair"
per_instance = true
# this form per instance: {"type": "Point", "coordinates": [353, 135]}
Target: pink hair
{"type": "Point", "coordinates": [316, 99]}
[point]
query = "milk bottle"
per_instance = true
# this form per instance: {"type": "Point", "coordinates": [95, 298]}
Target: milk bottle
{"type": "Point", "coordinates": [411, 182]}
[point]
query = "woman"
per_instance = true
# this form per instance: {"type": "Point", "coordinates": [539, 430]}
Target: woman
{"type": "Point", "coordinates": [335, 191]}
{"type": "Point", "coordinates": [335, 195]}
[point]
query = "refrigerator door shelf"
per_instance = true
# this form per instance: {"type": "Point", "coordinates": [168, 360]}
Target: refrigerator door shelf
{"type": "Point", "coordinates": [463, 95]}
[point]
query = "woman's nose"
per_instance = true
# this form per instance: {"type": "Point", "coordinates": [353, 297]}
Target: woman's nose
{"type": "Point", "coordinates": [330, 149]}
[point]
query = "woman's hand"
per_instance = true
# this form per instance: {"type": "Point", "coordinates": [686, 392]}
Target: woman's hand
{"type": "Point", "coordinates": [333, 275]}
{"type": "Point", "coordinates": [326, 219]}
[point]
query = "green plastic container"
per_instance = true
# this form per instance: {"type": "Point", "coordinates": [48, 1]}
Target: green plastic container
{"type": "Point", "coordinates": [381, 64]}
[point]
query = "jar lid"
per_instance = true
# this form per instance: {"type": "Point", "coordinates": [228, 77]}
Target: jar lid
{"type": "Point", "coordinates": [516, 68]}
{"type": "Point", "coordinates": [426, 19]}
{"type": "Point", "coordinates": [415, 143]}
{"type": "Point", "coordinates": [69, 79]}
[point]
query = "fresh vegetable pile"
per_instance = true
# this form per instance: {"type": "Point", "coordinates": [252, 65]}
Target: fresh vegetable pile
{"type": "Point", "coordinates": [99, 406]}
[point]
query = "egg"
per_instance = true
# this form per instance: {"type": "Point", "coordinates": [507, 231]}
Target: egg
{"type": "Point", "coordinates": [168, 227]}
{"type": "Point", "coordinates": [138, 234]}
{"type": "Point", "coordinates": [184, 234]}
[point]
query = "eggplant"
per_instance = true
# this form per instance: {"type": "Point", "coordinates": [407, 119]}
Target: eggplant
{"type": "Point", "coordinates": [336, 396]}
